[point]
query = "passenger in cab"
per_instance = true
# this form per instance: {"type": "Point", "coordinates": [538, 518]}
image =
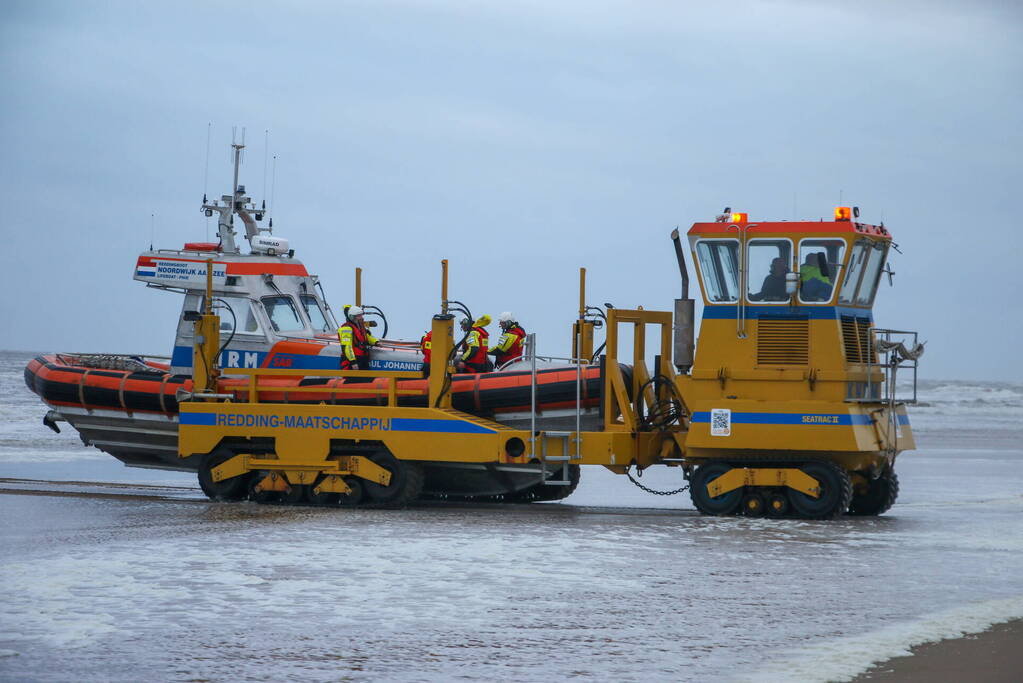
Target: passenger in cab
{"type": "Point", "coordinates": [815, 283]}
{"type": "Point", "coordinates": [509, 346]}
{"type": "Point", "coordinates": [355, 343]}
{"type": "Point", "coordinates": [773, 288]}
{"type": "Point", "coordinates": [474, 350]}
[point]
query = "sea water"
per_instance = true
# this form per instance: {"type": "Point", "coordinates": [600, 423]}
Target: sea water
{"type": "Point", "coordinates": [612, 584]}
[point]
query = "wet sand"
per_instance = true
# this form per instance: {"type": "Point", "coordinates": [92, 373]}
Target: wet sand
{"type": "Point", "coordinates": [994, 656]}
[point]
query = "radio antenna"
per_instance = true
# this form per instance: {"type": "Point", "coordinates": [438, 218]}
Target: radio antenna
{"type": "Point", "coordinates": [266, 153]}
{"type": "Point", "coordinates": [206, 177]}
{"type": "Point", "coordinates": [273, 187]}
{"type": "Point", "coordinates": [152, 230]}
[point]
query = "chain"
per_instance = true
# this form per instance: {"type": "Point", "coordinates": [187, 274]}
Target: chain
{"type": "Point", "coordinates": [628, 474]}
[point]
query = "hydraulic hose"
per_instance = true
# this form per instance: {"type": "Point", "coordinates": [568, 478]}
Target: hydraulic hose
{"type": "Point", "coordinates": [457, 307]}
{"type": "Point", "coordinates": [374, 310]}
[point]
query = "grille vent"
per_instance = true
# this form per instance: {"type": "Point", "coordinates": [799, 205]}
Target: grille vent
{"type": "Point", "coordinates": [856, 340]}
{"type": "Point", "coordinates": [783, 341]}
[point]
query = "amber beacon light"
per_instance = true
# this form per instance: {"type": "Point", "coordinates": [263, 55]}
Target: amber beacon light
{"type": "Point", "coordinates": [842, 213]}
{"type": "Point", "coordinates": [740, 217]}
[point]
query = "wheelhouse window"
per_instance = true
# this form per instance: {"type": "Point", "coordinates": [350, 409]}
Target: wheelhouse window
{"type": "Point", "coordinates": [871, 273]}
{"type": "Point", "coordinates": [819, 264]}
{"type": "Point", "coordinates": [768, 263]}
{"type": "Point", "coordinates": [865, 264]}
{"type": "Point", "coordinates": [719, 269]}
{"type": "Point", "coordinates": [282, 313]}
{"type": "Point", "coordinates": [237, 315]}
{"type": "Point", "coordinates": [321, 321]}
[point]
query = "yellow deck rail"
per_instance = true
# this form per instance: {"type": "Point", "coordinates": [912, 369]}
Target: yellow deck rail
{"type": "Point", "coordinates": [392, 377]}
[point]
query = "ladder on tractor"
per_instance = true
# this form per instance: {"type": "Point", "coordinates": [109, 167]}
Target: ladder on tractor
{"type": "Point", "coordinates": [567, 439]}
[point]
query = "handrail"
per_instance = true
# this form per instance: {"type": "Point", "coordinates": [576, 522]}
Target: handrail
{"type": "Point", "coordinates": [579, 363]}
{"type": "Point", "coordinates": [392, 377]}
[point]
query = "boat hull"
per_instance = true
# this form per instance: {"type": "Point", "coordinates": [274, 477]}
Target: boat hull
{"type": "Point", "coordinates": [131, 414]}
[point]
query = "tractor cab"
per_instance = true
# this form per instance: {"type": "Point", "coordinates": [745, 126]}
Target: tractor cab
{"type": "Point", "coordinates": [787, 312]}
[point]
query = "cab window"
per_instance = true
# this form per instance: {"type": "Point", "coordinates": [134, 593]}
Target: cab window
{"type": "Point", "coordinates": [316, 315]}
{"type": "Point", "coordinates": [282, 313]}
{"type": "Point", "coordinates": [864, 270]}
{"type": "Point", "coordinates": [719, 269]}
{"type": "Point", "coordinates": [237, 314]}
{"type": "Point", "coordinates": [768, 263]}
{"type": "Point", "coordinates": [819, 264]}
{"type": "Point", "coordinates": [871, 273]}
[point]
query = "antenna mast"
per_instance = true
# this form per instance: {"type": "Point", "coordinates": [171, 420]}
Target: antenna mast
{"type": "Point", "coordinates": [206, 176]}
{"type": "Point", "coordinates": [238, 203]}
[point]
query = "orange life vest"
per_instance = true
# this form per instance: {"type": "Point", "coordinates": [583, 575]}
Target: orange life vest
{"type": "Point", "coordinates": [427, 346]}
{"type": "Point", "coordinates": [514, 350]}
{"type": "Point", "coordinates": [354, 336]}
{"type": "Point", "coordinates": [479, 357]}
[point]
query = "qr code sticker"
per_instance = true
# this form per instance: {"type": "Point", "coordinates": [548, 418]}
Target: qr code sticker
{"type": "Point", "coordinates": [721, 422]}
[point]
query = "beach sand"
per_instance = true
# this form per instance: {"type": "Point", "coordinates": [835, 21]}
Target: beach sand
{"type": "Point", "coordinates": [994, 656]}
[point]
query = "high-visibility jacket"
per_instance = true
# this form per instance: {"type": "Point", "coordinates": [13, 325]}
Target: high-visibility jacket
{"type": "Point", "coordinates": [355, 341]}
{"type": "Point", "coordinates": [808, 272]}
{"type": "Point", "coordinates": [476, 346]}
{"type": "Point", "coordinates": [509, 346]}
{"type": "Point", "coordinates": [426, 345]}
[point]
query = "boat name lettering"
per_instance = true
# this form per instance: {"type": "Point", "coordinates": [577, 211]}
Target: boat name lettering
{"type": "Point", "coordinates": [395, 365]}
{"type": "Point", "coordinates": [233, 359]}
{"type": "Point", "coordinates": [185, 271]}
{"type": "Point", "coordinates": [302, 422]}
{"type": "Point", "coordinates": [820, 419]}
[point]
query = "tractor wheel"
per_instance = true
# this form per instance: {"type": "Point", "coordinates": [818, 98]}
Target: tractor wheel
{"type": "Point", "coordinates": [406, 481]}
{"type": "Point", "coordinates": [836, 492]}
{"type": "Point", "coordinates": [544, 492]}
{"type": "Point", "coordinates": [261, 497]}
{"type": "Point", "coordinates": [753, 505]}
{"type": "Point", "coordinates": [294, 495]}
{"type": "Point", "coordinates": [878, 497]}
{"type": "Point", "coordinates": [355, 497]}
{"type": "Point", "coordinates": [325, 498]}
{"type": "Point", "coordinates": [725, 504]}
{"type": "Point", "coordinates": [235, 488]}
{"type": "Point", "coordinates": [777, 504]}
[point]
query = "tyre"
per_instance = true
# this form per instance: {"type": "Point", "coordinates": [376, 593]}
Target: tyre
{"type": "Point", "coordinates": [878, 497]}
{"type": "Point", "coordinates": [324, 498]}
{"type": "Point", "coordinates": [235, 488]}
{"type": "Point", "coordinates": [545, 492]}
{"type": "Point", "coordinates": [725, 504]}
{"type": "Point", "coordinates": [777, 504]}
{"type": "Point", "coordinates": [294, 495]}
{"type": "Point", "coordinates": [835, 495]}
{"type": "Point", "coordinates": [261, 496]}
{"type": "Point", "coordinates": [355, 497]}
{"type": "Point", "coordinates": [753, 505]}
{"type": "Point", "coordinates": [406, 481]}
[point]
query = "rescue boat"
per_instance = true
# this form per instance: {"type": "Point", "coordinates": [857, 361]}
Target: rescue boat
{"type": "Point", "coordinates": [274, 314]}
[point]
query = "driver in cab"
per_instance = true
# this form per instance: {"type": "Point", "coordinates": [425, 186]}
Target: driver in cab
{"type": "Point", "coordinates": [773, 288]}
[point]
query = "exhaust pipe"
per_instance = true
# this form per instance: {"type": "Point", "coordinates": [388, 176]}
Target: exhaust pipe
{"type": "Point", "coordinates": [685, 315]}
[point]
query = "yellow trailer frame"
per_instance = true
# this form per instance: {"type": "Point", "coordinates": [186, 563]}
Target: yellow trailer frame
{"type": "Point", "coordinates": [301, 434]}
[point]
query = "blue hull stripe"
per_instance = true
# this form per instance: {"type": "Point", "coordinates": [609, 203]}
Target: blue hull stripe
{"type": "Point", "coordinates": [806, 419]}
{"type": "Point", "coordinates": [729, 312]}
{"type": "Point", "coordinates": [414, 424]}
{"type": "Point", "coordinates": [200, 419]}
{"type": "Point", "coordinates": [232, 358]}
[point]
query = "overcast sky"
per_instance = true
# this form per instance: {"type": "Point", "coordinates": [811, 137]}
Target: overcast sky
{"type": "Point", "coordinates": [520, 140]}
